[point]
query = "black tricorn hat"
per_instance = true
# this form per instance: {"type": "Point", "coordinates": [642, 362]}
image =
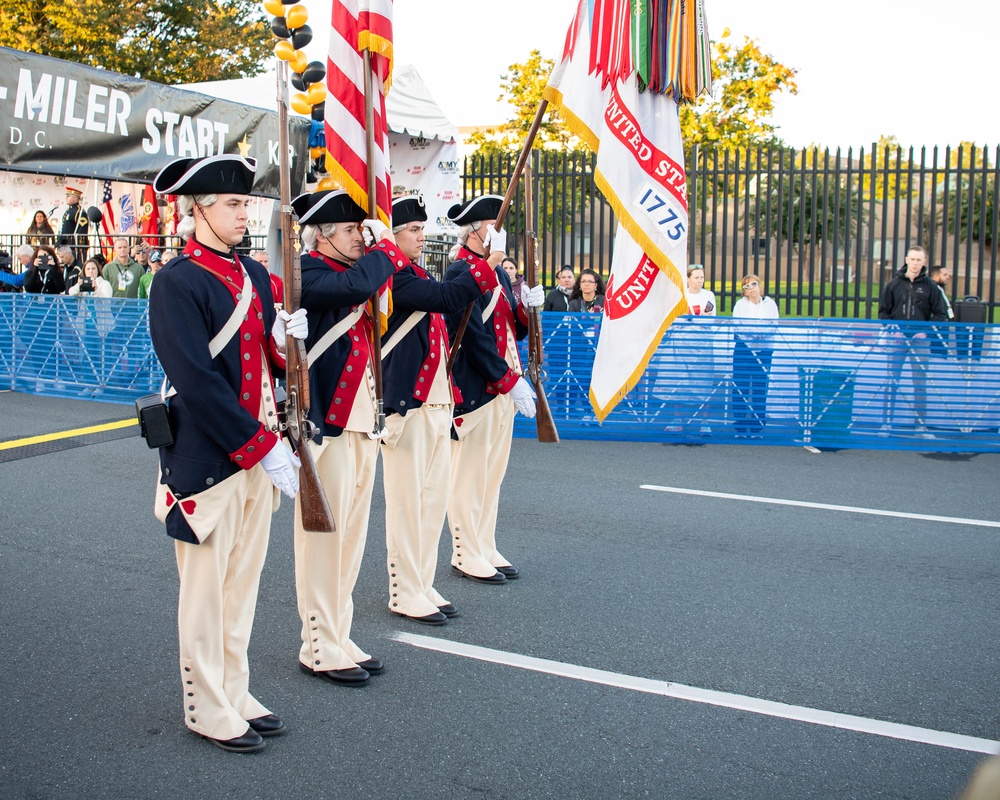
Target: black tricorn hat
{"type": "Point", "coordinates": [485, 207]}
{"type": "Point", "coordinates": [317, 208]}
{"type": "Point", "coordinates": [408, 209]}
{"type": "Point", "coordinates": [224, 174]}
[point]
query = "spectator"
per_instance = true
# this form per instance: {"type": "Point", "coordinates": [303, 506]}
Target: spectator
{"type": "Point", "coordinates": [6, 272]}
{"type": "Point", "coordinates": [277, 285]}
{"type": "Point", "coordinates": [45, 276]}
{"type": "Point", "coordinates": [40, 231]}
{"type": "Point", "coordinates": [516, 278]}
{"type": "Point", "coordinates": [700, 299]}
{"type": "Point", "coordinates": [941, 276]}
{"type": "Point", "coordinates": [141, 255]}
{"type": "Point", "coordinates": [911, 295]}
{"type": "Point", "coordinates": [70, 266]}
{"type": "Point", "coordinates": [558, 298]}
{"type": "Point", "coordinates": [752, 355]}
{"type": "Point", "coordinates": [123, 272]}
{"type": "Point", "coordinates": [91, 284]}
{"type": "Point", "coordinates": [13, 280]}
{"type": "Point", "coordinates": [155, 262]}
{"type": "Point", "coordinates": [588, 293]}
{"type": "Point", "coordinates": [262, 258]}
{"type": "Point", "coordinates": [168, 256]}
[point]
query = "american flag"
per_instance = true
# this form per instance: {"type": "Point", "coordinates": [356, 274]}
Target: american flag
{"type": "Point", "coordinates": [108, 218]}
{"type": "Point", "coordinates": [128, 213]}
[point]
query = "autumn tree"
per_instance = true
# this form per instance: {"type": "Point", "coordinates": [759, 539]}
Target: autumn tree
{"type": "Point", "coordinates": [168, 41]}
{"type": "Point", "coordinates": [737, 114]}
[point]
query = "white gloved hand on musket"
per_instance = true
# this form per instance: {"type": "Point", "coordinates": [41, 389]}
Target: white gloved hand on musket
{"type": "Point", "coordinates": [533, 297]}
{"type": "Point", "coordinates": [524, 398]}
{"type": "Point", "coordinates": [280, 465]}
{"type": "Point", "coordinates": [374, 230]}
{"type": "Point", "coordinates": [495, 241]}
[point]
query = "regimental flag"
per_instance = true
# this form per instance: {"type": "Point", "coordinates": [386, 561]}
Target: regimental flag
{"type": "Point", "coordinates": [358, 25]}
{"type": "Point", "coordinates": [128, 213]}
{"type": "Point", "coordinates": [150, 224]}
{"type": "Point", "coordinates": [640, 169]}
{"type": "Point", "coordinates": [108, 219]}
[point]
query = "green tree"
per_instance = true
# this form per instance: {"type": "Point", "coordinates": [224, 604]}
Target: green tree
{"type": "Point", "coordinates": [738, 113]}
{"type": "Point", "coordinates": [168, 41]}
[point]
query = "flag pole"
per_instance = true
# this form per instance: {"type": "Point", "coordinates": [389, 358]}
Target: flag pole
{"type": "Point", "coordinates": [522, 159]}
{"type": "Point", "coordinates": [373, 214]}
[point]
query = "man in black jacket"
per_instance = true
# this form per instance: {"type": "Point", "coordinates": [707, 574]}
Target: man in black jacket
{"type": "Point", "coordinates": [911, 295]}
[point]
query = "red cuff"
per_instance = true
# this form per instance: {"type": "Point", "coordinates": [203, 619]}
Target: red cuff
{"type": "Point", "coordinates": [522, 314]}
{"type": "Point", "coordinates": [504, 385]}
{"type": "Point", "coordinates": [399, 261]}
{"type": "Point", "coordinates": [485, 276]}
{"type": "Point", "coordinates": [253, 451]}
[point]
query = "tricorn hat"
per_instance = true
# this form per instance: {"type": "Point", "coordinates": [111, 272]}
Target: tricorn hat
{"type": "Point", "coordinates": [332, 205]}
{"type": "Point", "coordinates": [224, 174]}
{"type": "Point", "coordinates": [408, 209]}
{"type": "Point", "coordinates": [485, 207]}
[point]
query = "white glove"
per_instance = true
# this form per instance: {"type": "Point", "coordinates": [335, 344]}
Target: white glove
{"type": "Point", "coordinates": [495, 241]}
{"type": "Point", "coordinates": [280, 465]}
{"type": "Point", "coordinates": [374, 230]}
{"type": "Point", "coordinates": [533, 297]}
{"type": "Point", "coordinates": [286, 324]}
{"type": "Point", "coordinates": [524, 398]}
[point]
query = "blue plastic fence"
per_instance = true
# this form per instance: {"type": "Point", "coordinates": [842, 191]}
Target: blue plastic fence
{"type": "Point", "coordinates": [825, 383]}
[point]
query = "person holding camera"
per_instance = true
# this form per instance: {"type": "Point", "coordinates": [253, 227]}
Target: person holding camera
{"type": "Point", "coordinates": [91, 284]}
{"type": "Point", "coordinates": [45, 275]}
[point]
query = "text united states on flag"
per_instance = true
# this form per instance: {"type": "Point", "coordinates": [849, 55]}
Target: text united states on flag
{"type": "Point", "coordinates": [357, 25]}
{"type": "Point", "coordinates": [640, 169]}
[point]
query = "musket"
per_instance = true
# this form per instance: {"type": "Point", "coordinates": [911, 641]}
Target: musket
{"type": "Point", "coordinates": [522, 160]}
{"type": "Point", "coordinates": [373, 214]}
{"type": "Point", "coordinates": [316, 513]}
{"type": "Point", "coordinates": [544, 424]}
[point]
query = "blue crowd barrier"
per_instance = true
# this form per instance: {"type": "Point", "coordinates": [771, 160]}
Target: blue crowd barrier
{"type": "Point", "coordinates": [829, 384]}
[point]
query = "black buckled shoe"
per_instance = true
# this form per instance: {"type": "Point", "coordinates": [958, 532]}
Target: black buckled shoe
{"type": "Point", "coordinates": [510, 573]}
{"type": "Point", "coordinates": [373, 666]}
{"type": "Point", "coordinates": [437, 618]}
{"type": "Point", "coordinates": [448, 610]}
{"type": "Point", "coordinates": [249, 742]}
{"type": "Point", "coordinates": [496, 577]}
{"type": "Point", "coordinates": [269, 725]}
{"type": "Point", "coordinates": [352, 676]}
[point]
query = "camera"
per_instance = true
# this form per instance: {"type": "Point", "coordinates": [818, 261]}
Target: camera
{"type": "Point", "coordinates": [86, 284]}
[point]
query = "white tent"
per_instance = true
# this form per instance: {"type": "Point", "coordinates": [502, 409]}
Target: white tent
{"type": "Point", "coordinates": [423, 143]}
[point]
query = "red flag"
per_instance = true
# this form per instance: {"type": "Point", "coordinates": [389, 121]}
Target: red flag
{"type": "Point", "coordinates": [358, 25]}
{"type": "Point", "coordinates": [150, 226]}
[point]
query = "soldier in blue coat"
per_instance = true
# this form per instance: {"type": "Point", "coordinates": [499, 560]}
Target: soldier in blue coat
{"type": "Point", "coordinates": [419, 398]}
{"type": "Point", "coordinates": [216, 333]}
{"type": "Point", "coordinates": [338, 278]}
{"type": "Point", "coordinates": [488, 374]}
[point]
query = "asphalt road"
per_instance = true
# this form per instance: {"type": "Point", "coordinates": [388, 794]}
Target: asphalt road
{"type": "Point", "coordinates": [884, 618]}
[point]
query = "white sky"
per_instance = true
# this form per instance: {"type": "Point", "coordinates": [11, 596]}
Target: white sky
{"type": "Point", "coordinates": [923, 72]}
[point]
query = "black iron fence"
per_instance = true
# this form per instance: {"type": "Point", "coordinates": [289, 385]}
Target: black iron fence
{"type": "Point", "coordinates": [824, 229]}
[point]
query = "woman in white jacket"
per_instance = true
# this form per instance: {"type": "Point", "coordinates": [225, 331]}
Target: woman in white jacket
{"type": "Point", "coordinates": [752, 354]}
{"type": "Point", "coordinates": [91, 284]}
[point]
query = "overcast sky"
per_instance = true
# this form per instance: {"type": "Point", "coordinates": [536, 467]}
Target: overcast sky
{"type": "Point", "coordinates": [924, 72]}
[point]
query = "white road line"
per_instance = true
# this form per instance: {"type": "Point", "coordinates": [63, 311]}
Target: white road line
{"type": "Point", "coordinates": [679, 691]}
{"type": "Point", "coordinates": [984, 523]}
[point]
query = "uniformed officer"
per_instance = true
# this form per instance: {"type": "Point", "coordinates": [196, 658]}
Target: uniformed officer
{"type": "Point", "coordinates": [217, 335]}
{"type": "Point", "coordinates": [488, 373]}
{"type": "Point", "coordinates": [419, 399]}
{"type": "Point", "coordinates": [75, 224]}
{"type": "Point", "coordinates": [337, 280]}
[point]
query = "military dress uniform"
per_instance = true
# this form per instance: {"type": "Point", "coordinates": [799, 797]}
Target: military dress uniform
{"type": "Point", "coordinates": [419, 401]}
{"type": "Point", "coordinates": [74, 227]}
{"type": "Point", "coordinates": [342, 407]}
{"type": "Point", "coordinates": [212, 493]}
{"type": "Point", "coordinates": [486, 369]}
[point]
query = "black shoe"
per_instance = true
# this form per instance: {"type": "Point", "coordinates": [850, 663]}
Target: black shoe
{"type": "Point", "coordinates": [448, 610]}
{"type": "Point", "coordinates": [510, 573]}
{"type": "Point", "coordinates": [249, 742]}
{"type": "Point", "coordinates": [437, 618]}
{"type": "Point", "coordinates": [496, 577]}
{"type": "Point", "coordinates": [268, 726]}
{"type": "Point", "coordinates": [353, 676]}
{"type": "Point", "coordinates": [373, 666]}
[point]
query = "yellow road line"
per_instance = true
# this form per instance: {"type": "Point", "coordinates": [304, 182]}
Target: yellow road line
{"type": "Point", "coordinates": [51, 437]}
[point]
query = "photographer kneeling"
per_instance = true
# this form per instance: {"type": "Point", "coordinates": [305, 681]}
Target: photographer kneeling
{"type": "Point", "coordinates": [91, 284]}
{"type": "Point", "coordinates": [45, 275]}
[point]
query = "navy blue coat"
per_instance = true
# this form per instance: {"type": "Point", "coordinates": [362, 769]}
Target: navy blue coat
{"type": "Point", "coordinates": [478, 363]}
{"type": "Point", "coordinates": [411, 292]}
{"type": "Point", "coordinates": [328, 296]}
{"type": "Point", "coordinates": [214, 435]}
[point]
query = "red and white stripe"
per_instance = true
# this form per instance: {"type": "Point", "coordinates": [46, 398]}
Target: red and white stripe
{"type": "Point", "coordinates": [347, 158]}
{"type": "Point", "coordinates": [611, 42]}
